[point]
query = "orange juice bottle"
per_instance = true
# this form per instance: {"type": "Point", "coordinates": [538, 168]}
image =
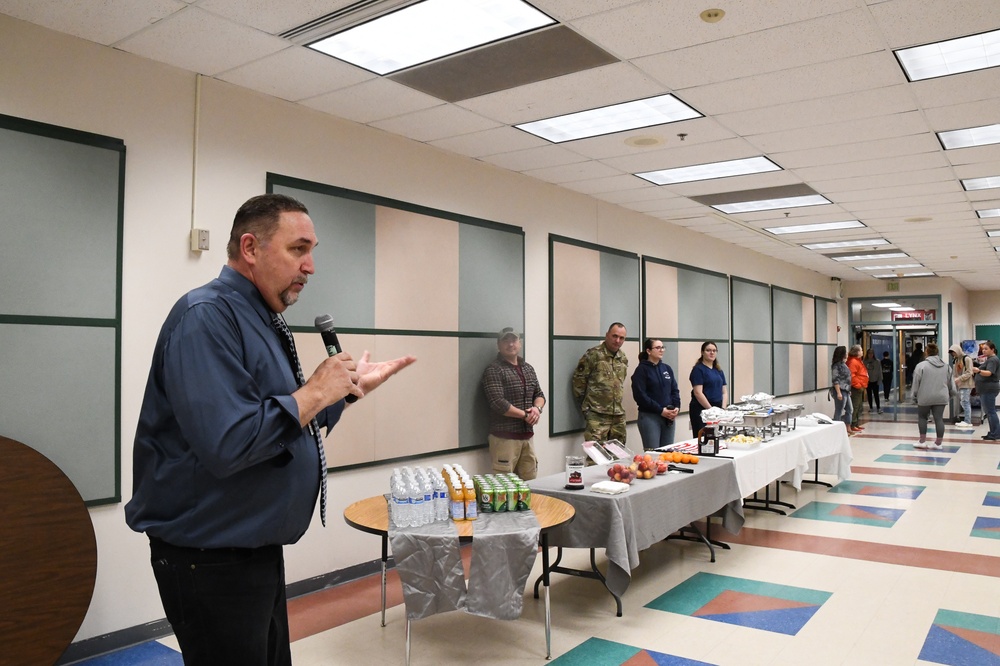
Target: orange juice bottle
{"type": "Point", "coordinates": [471, 505]}
{"type": "Point", "coordinates": [457, 500]}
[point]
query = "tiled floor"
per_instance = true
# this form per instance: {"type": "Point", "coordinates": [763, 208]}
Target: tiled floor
{"type": "Point", "coordinates": [898, 565]}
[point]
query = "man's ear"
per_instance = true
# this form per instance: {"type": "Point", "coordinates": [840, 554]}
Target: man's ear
{"type": "Point", "coordinates": [248, 248]}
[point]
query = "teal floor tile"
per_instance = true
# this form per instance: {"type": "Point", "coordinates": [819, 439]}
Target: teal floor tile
{"type": "Point", "coordinates": [849, 513]}
{"type": "Point", "coordinates": [899, 491]}
{"type": "Point", "coordinates": [988, 528]}
{"type": "Point", "coordinates": [913, 460]}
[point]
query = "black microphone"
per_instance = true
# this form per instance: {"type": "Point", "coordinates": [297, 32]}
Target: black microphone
{"type": "Point", "coordinates": [329, 334]}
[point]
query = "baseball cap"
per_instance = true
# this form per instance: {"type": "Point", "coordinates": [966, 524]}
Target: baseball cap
{"type": "Point", "coordinates": [506, 333]}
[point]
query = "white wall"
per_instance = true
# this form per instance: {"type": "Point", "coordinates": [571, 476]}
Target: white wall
{"type": "Point", "coordinates": [53, 78]}
{"type": "Point", "coordinates": [984, 308]}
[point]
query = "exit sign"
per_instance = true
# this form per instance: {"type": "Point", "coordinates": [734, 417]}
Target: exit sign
{"type": "Point", "coordinates": [892, 285]}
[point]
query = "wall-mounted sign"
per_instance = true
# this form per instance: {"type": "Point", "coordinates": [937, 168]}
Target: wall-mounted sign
{"type": "Point", "coordinates": [914, 315]}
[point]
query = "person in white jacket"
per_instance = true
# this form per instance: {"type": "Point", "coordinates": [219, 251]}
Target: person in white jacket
{"type": "Point", "coordinates": [933, 388]}
{"type": "Point", "coordinates": [965, 380]}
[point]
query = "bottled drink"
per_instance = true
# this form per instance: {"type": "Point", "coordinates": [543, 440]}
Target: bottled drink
{"type": "Point", "coordinates": [416, 503]}
{"type": "Point", "coordinates": [457, 500]}
{"type": "Point", "coordinates": [469, 500]}
{"type": "Point", "coordinates": [441, 498]}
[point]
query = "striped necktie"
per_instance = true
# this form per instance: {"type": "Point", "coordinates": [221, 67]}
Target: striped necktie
{"type": "Point", "coordinates": [288, 342]}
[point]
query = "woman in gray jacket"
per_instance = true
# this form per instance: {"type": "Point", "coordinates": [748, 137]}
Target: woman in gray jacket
{"type": "Point", "coordinates": [933, 388]}
{"type": "Point", "coordinates": [840, 389]}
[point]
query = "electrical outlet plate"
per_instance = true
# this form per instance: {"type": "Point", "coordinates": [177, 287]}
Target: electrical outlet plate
{"type": "Point", "coordinates": [199, 240]}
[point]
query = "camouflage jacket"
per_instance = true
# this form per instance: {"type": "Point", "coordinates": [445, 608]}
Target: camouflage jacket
{"type": "Point", "coordinates": [599, 381]}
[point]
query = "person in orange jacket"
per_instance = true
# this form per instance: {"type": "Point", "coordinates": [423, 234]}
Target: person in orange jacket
{"type": "Point", "coordinates": [859, 382]}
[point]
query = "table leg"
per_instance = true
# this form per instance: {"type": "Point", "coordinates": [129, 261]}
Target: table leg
{"type": "Point", "coordinates": [815, 480]}
{"type": "Point", "coordinates": [548, 608]}
{"type": "Point", "coordinates": [385, 558]}
{"type": "Point", "coordinates": [594, 573]}
{"type": "Point", "coordinates": [407, 641]}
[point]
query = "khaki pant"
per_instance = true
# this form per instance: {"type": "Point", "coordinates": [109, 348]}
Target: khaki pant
{"type": "Point", "coordinates": [514, 455]}
{"type": "Point", "coordinates": [602, 427]}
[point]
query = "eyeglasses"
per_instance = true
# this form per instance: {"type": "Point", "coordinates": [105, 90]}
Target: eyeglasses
{"type": "Point", "coordinates": [657, 348]}
{"type": "Point", "coordinates": [712, 351]}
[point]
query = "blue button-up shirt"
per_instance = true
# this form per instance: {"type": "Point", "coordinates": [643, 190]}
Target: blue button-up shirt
{"type": "Point", "coordinates": [220, 459]}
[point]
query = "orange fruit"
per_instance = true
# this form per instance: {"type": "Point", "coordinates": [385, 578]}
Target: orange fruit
{"type": "Point", "coordinates": [694, 460]}
{"type": "Point", "coordinates": [677, 456]}
{"type": "Point", "coordinates": [686, 458]}
{"type": "Point", "coordinates": [665, 456]}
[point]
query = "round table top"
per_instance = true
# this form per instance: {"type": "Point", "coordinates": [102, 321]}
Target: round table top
{"type": "Point", "coordinates": [49, 556]}
{"type": "Point", "coordinates": [372, 515]}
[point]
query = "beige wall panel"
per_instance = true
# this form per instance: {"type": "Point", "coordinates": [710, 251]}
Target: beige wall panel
{"type": "Point", "coordinates": [823, 368]}
{"type": "Point", "coordinates": [795, 368]}
{"type": "Point", "coordinates": [576, 291]}
{"type": "Point", "coordinates": [416, 271]}
{"type": "Point", "coordinates": [743, 368]}
{"type": "Point", "coordinates": [831, 322]}
{"type": "Point", "coordinates": [631, 349]}
{"type": "Point", "coordinates": [687, 354]}
{"type": "Point", "coordinates": [417, 411]}
{"type": "Point", "coordinates": [808, 320]}
{"type": "Point", "coordinates": [352, 441]}
{"type": "Point", "coordinates": [661, 300]}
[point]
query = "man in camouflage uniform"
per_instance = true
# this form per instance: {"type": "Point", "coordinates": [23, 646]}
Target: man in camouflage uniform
{"type": "Point", "coordinates": [598, 387]}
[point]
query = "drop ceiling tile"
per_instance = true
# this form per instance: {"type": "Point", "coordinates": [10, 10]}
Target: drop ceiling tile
{"type": "Point", "coordinates": [653, 26]}
{"type": "Point", "coordinates": [565, 10]}
{"type": "Point", "coordinates": [683, 154]}
{"type": "Point", "coordinates": [372, 100]}
{"type": "Point", "coordinates": [788, 46]}
{"type": "Point", "coordinates": [273, 17]}
{"type": "Point", "coordinates": [201, 42]}
{"type": "Point", "coordinates": [872, 167]}
{"type": "Point", "coordinates": [588, 89]}
{"type": "Point", "coordinates": [120, 19]}
{"type": "Point", "coordinates": [296, 73]}
{"type": "Point", "coordinates": [820, 111]}
{"type": "Point", "coordinates": [958, 89]}
{"type": "Point", "coordinates": [836, 134]}
{"type": "Point", "coordinates": [647, 192]}
{"type": "Point", "coordinates": [978, 169]}
{"type": "Point", "coordinates": [568, 173]}
{"type": "Point", "coordinates": [907, 209]}
{"type": "Point", "coordinates": [914, 22]}
{"type": "Point", "coordinates": [490, 142]}
{"type": "Point", "coordinates": [609, 184]}
{"type": "Point", "coordinates": [976, 155]}
{"type": "Point", "coordinates": [735, 183]}
{"type": "Point", "coordinates": [437, 122]}
{"type": "Point", "coordinates": [857, 73]}
{"type": "Point", "coordinates": [865, 150]}
{"type": "Point", "coordinates": [533, 158]}
{"type": "Point", "coordinates": [960, 116]}
{"type": "Point", "coordinates": [697, 131]}
{"type": "Point", "coordinates": [886, 180]}
{"type": "Point", "coordinates": [949, 187]}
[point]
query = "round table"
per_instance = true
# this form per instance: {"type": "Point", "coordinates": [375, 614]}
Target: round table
{"type": "Point", "coordinates": [371, 515]}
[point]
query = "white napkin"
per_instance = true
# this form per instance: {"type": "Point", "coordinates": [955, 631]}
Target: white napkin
{"type": "Point", "coordinates": [609, 487]}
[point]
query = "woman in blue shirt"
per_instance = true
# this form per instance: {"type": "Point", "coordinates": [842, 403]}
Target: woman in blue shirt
{"type": "Point", "coordinates": [655, 390]}
{"type": "Point", "coordinates": [708, 385]}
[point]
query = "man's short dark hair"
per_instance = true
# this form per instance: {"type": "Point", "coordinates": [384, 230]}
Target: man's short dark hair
{"type": "Point", "coordinates": [259, 216]}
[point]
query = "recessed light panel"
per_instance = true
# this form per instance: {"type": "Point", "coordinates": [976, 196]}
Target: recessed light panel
{"type": "Point", "coordinates": [868, 255]}
{"type": "Point", "coordinates": [709, 171]}
{"type": "Point", "coordinates": [887, 267]}
{"type": "Point", "coordinates": [972, 136]}
{"type": "Point", "coordinates": [429, 30]}
{"type": "Point", "coordinates": [953, 56]}
{"type": "Point", "coordinates": [994, 233]}
{"type": "Point", "coordinates": [981, 183]}
{"type": "Point", "coordinates": [885, 305]}
{"type": "Point", "coordinates": [772, 204]}
{"type": "Point", "coordinates": [819, 226]}
{"type": "Point", "coordinates": [989, 212]}
{"type": "Point", "coordinates": [835, 245]}
{"type": "Point", "coordinates": [609, 119]}
{"type": "Point", "coordinates": [893, 276]}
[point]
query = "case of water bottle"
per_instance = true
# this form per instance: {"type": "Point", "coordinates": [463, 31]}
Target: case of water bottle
{"type": "Point", "coordinates": [418, 496]}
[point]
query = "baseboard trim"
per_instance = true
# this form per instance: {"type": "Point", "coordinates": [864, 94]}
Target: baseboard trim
{"type": "Point", "coordinates": [124, 638]}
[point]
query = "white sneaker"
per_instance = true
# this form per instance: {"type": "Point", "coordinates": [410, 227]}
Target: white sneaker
{"type": "Point", "coordinates": [921, 445]}
{"type": "Point", "coordinates": [936, 447]}
{"type": "Point", "coordinates": [964, 425]}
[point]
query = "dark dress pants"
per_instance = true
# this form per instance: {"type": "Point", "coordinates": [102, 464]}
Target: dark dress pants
{"type": "Point", "coordinates": [226, 606]}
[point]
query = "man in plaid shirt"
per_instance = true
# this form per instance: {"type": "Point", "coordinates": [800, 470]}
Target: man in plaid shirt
{"type": "Point", "coordinates": [516, 401]}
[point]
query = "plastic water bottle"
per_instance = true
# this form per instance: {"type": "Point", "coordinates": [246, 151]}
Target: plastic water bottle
{"type": "Point", "coordinates": [416, 503]}
{"type": "Point", "coordinates": [441, 498]}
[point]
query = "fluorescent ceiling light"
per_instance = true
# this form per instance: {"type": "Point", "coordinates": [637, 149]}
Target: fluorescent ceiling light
{"type": "Point", "coordinates": [981, 183]}
{"type": "Point", "coordinates": [834, 245]}
{"type": "Point", "coordinates": [885, 305]}
{"type": "Point", "coordinates": [997, 248]}
{"type": "Point", "coordinates": [771, 204]}
{"type": "Point", "coordinates": [893, 276]}
{"type": "Point", "coordinates": [989, 212]}
{"type": "Point", "coordinates": [429, 30]}
{"type": "Point", "coordinates": [820, 226]}
{"type": "Point", "coordinates": [708, 171]}
{"type": "Point", "coordinates": [871, 255]}
{"type": "Point", "coordinates": [953, 56]}
{"type": "Point", "coordinates": [993, 234]}
{"type": "Point", "coordinates": [972, 136]}
{"type": "Point", "coordinates": [609, 119]}
{"type": "Point", "coordinates": [887, 267]}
